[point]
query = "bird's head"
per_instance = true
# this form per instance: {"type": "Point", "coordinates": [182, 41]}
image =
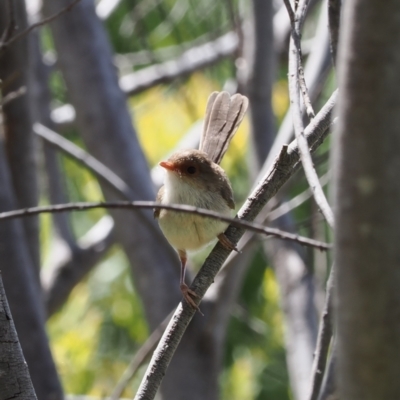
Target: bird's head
{"type": "Point", "coordinates": [194, 168]}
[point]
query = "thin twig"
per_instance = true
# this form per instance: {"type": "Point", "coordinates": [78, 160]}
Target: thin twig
{"type": "Point", "coordinates": [290, 12]}
{"type": "Point", "coordinates": [323, 341]}
{"type": "Point", "coordinates": [44, 21]}
{"type": "Point", "coordinates": [26, 212]}
{"type": "Point", "coordinates": [12, 96]}
{"type": "Point", "coordinates": [329, 389]}
{"type": "Point", "coordinates": [295, 202]}
{"type": "Point", "coordinates": [296, 20]}
{"type": "Point", "coordinates": [274, 179]}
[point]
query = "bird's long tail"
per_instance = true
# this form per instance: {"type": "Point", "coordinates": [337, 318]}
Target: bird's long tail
{"type": "Point", "coordinates": [224, 113]}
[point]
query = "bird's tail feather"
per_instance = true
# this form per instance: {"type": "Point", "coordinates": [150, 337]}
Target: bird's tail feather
{"type": "Point", "coordinates": [224, 113]}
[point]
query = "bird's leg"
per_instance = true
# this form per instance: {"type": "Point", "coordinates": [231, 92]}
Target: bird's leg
{"type": "Point", "coordinates": [188, 294]}
{"type": "Point", "coordinates": [227, 243]}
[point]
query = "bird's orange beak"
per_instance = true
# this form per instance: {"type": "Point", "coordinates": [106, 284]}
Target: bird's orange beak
{"type": "Point", "coordinates": [167, 165]}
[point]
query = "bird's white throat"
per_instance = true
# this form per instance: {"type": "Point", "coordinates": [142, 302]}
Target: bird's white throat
{"type": "Point", "coordinates": [178, 191]}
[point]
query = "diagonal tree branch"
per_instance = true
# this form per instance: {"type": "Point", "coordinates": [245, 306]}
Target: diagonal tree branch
{"type": "Point", "coordinates": [329, 388]}
{"type": "Point", "coordinates": [190, 61]}
{"type": "Point", "coordinates": [295, 202]}
{"type": "Point", "coordinates": [72, 150]}
{"type": "Point", "coordinates": [323, 341]}
{"type": "Point", "coordinates": [12, 96]}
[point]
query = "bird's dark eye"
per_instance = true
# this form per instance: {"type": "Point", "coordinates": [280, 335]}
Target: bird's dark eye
{"type": "Point", "coordinates": [191, 170]}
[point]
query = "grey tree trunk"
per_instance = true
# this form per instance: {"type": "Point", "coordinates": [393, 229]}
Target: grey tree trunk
{"type": "Point", "coordinates": [367, 165]}
{"type": "Point", "coordinates": [19, 138]}
{"type": "Point", "coordinates": [15, 382]}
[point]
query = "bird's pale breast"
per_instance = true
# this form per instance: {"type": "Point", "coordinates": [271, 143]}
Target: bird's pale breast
{"type": "Point", "coordinates": [188, 231]}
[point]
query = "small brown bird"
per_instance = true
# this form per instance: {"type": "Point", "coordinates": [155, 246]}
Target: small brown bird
{"type": "Point", "coordinates": [193, 177]}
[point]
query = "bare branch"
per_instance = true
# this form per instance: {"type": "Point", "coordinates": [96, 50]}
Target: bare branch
{"type": "Point", "coordinates": [127, 61]}
{"type": "Point", "coordinates": [295, 202]}
{"type": "Point", "coordinates": [329, 386]}
{"type": "Point", "coordinates": [190, 61]}
{"type": "Point", "coordinates": [44, 21]}
{"type": "Point", "coordinates": [12, 96]}
{"type": "Point", "coordinates": [305, 155]}
{"type": "Point", "coordinates": [26, 212]}
{"type": "Point", "coordinates": [102, 171]}
{"type": "Point", "coordinates": [323, 342]}
{"type": "Point", "coordinates": [290, 12]}
{"type": "Point", "coordinates": [296, 21]}
{"type": "Point", "coordinates": [280, 172]}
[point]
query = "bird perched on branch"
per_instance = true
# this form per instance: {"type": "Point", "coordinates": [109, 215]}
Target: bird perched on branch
{"type": "Point", "coordinates": [194, 177]}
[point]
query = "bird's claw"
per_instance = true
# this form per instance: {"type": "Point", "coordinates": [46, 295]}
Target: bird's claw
{"type": "Point", "coordinates": [188, 295]}
{"type": "Point", "coordinates": [227, 243]}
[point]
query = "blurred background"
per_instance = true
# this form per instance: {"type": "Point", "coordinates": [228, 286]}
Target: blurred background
{"type": "Point", "coordinates": [126, 82]}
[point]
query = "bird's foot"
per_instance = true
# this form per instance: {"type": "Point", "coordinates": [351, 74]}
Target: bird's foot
{"type": "Point", "coordinates": [189, 295]}
{"type": "Point", "coordinates": [227, 243]}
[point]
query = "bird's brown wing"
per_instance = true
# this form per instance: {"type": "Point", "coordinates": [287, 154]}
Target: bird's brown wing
{"type": "Point", "coordinates": [227, 195]}
{"type": "Point", "coordinates": [224, 113]}
{"type": "Point", "coordinates": [160, 195]}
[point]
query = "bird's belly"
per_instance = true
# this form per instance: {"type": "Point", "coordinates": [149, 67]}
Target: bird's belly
{"type": "Point", "coordinates": [188, 231]}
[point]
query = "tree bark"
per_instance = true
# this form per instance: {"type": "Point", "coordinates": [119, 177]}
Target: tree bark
{"type": "Point", "coordinates": [15, 382]}
{"type": "Point", "coordinates": [367, 165]}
